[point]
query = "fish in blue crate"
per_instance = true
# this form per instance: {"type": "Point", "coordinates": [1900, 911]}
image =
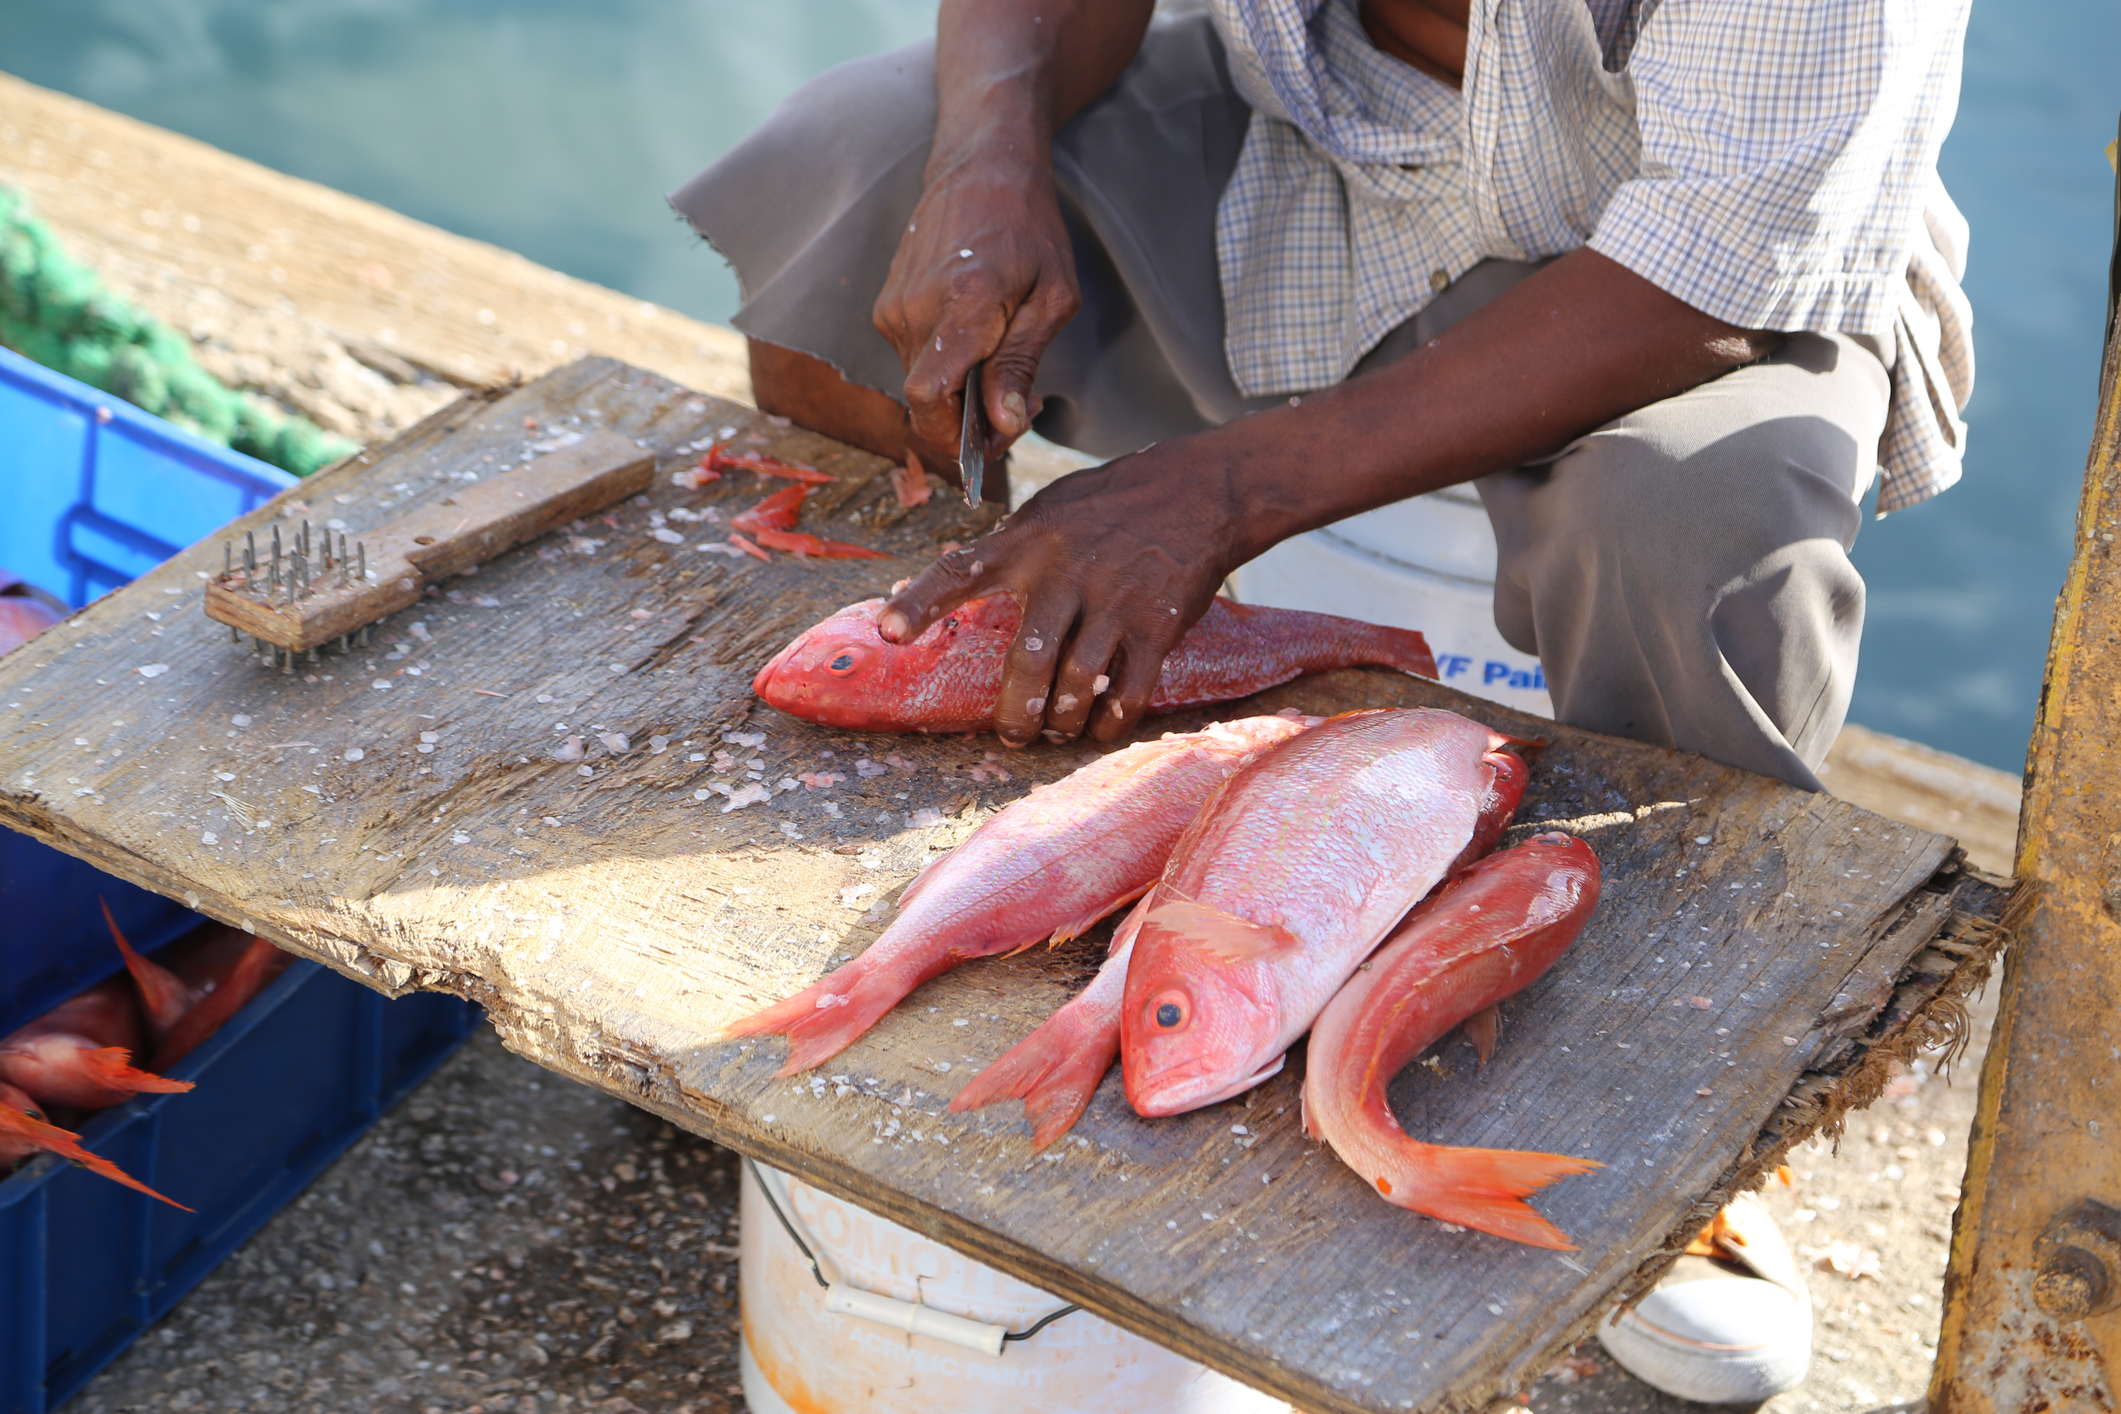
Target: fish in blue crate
{"type": "Point", "coordinates": [78, 1057]}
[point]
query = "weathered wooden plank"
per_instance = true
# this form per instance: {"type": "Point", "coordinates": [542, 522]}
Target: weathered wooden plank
{"type": "Point", "coordinates": [401, 815]}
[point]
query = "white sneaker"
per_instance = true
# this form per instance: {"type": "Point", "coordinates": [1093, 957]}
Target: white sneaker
{"type": "Point", "coordinates": [1732, 1328]}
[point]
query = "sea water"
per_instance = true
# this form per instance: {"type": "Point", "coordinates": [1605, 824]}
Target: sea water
{"type": "Point", "coordinates": [554, 127]}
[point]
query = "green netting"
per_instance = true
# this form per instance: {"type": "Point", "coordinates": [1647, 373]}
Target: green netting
{"type": "Point", "coordinates": [55, 311]}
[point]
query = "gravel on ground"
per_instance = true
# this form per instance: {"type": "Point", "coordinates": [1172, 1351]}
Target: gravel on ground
{"type": "Point", "coordinates": [503, 1242]}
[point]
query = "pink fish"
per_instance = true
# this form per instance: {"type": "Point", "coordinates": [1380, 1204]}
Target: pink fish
{"type": "Point", "coordinates": [842, 673]}
{"type": "Point", "coordinates": [1289, 878]}
{"type": "Point", "coordinates": [1057, 1068]}
{"type": "Point", "coordinates": [1483, 937]}
{"type": "Point", "coordinates": [24, 1131]}
{"type": "Point", "coordinates": [79, 1052]}
{"type": "Point", "coordinates": [1045, 867]}
{"type": "Point", "coordinates": [22, 619]}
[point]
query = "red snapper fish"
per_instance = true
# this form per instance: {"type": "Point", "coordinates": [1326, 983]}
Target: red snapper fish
{"type": "Point", "coordinates": [1484, 936]}
{"type": "Point", "coordinates": [1045, 867]}
{"type": "Point", "coordinates": [24, 1131]}
{"type": "Point", "coordinates": [164, 997]}
{"type": "Point", "coordinates": [1295, 871]}
{"type": "Point", "coordinates": [79, 1052]}
{"type": "Point", "coordinates": [224, 969]}
{"type": "Point", "coordinates": [1057, 1068]}
{"type": "Point", "coordinates": [22, 619]}
{"type": "Point", "coordinates": [842, 673]}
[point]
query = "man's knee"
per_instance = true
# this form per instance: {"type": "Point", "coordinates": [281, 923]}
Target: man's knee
{"type": "Point", "coordinates": [1683, 520]}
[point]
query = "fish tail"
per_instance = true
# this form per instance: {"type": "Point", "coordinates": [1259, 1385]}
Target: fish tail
{"type": "Point", "coordinates": [1483, 1189]}
{"type": "Point", "coordinates": [66, 1144]}
{"type": "Point", "coordinates": [165, 997]}
{"type": "Point", "coordinates": [1403, 648]}
{"type": "Point", "coordinates": [828, 1015]}
{"type": "Point", "coordinates": [112, 1067]}
{"type": "Point", "coordinates": [1054, 1071]}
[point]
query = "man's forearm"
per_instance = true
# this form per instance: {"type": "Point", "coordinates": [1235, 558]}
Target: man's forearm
{"type": "Point", "coordinates": [1010, 73]}
{"type": "Point", "coordinates": [1575, 346]}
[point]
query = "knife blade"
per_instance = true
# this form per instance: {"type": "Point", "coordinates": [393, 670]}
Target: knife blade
{"type": "Point", "coordinates": [972, 440]}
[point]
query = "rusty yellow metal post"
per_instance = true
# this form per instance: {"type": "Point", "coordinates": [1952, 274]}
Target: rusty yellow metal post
{"type": "Point", "coordinates": [2032, 1315]}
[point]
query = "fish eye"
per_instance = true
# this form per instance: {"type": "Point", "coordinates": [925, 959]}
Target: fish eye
{"type": "Point", "coordinates": [845, 661]}
{"type": "Point", "coordinates": [1169, 1010]}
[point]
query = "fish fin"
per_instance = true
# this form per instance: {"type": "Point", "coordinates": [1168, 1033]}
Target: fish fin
{"type": "Point", "coordinates": [1075, 928]}
{"type": "Point", "coordinates": [66, 1144]}
{"type": "Point", "coordinates": [164, 996]}
{"type": "Point", "coordinates": [828, 1016]}
{"type": "Point", "coordinates": [1480, 1030]}
{"type": "Point", "coordinates": [918, 882]}
{"type": "Point", "coordinates": [112, 1066]}
{"type": "Point", "coordinates": [1407, 650]}
{"type": "Point", "coordinates": [1054, 1071]}
{"type": "Point", "coordinates": [1483, 1189]}
{"type": "Point", "coordinates": [1221, 935]}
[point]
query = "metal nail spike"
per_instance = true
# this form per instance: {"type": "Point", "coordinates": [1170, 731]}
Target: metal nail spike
{"type": "Point", "coordinates": [233, 635]}
{"type": "Point", "coordinates": [287, 662]}
{"type": "Point", "coordinates": [361, 549]}
{"type": "Point", "coordinates": [312, 655]}
{"type": "Point", "coordinates": [302, 570]}
{"type": "Point", "coordinates": [276, 545]}
{"type": "Point", "coordinates": [250, 556]}
{"type": "Point", "coordinates": [363, 639]}
{"type": "Point", "coordinates": [345, 639]}
{"type": "Point", "coordinates": [228, 559]}
{"type": "Point", "coordinates": [342, 557]}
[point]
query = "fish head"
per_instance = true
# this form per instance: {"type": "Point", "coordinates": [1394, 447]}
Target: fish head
{"type": "Point", "coordinates": [1194, 1030]}
{"type": "Point", "coordinates": [838, 672]}
{"type": "Point", "coordinates": [843, 672]}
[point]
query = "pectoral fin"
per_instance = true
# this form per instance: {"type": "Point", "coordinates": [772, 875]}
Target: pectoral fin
{"type": "Point", "coordinates": [1222, 935]}
{"type": "Point", "coordinates": [1480, 1030]}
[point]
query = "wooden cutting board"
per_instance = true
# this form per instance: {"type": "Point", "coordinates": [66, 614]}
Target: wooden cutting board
{"type": "Point", "coordinates": [400, 814]}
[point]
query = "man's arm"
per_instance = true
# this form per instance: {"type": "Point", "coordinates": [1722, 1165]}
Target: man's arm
{"type": "Point", "coordinates": [984, 269]}
{"type": "Point", "coordinates": [1113, 564]}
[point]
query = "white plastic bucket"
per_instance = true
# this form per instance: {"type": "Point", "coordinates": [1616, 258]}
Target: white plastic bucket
{"type": "Point", "coordinates": [799, 1357]}
{"type": "Point", "coordinates": [1426, 563]}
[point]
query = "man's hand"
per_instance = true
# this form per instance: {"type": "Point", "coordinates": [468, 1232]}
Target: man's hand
{"type": "Point", "coordinates": [983, 271]}
{"type": "Point", "coordinates": [1111, 565]}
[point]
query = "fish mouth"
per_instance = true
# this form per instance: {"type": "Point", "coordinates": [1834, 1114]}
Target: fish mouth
{"type": "Point", "coordinates": [1180, 1089]}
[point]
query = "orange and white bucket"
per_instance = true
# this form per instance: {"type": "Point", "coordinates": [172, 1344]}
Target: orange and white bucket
{"type": "Point", "coordinates": [907, 1326]}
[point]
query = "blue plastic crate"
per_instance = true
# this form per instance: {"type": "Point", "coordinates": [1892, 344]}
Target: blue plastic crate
{"type": "Point", "coordinates": [92, 493]}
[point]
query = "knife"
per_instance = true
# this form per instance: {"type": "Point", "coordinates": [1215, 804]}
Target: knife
{"type": "Point", "coordinates": [972, 441]}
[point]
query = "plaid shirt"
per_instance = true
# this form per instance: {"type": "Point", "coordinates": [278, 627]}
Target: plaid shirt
{"type": "Point", "coordinates": [1771, 162]}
